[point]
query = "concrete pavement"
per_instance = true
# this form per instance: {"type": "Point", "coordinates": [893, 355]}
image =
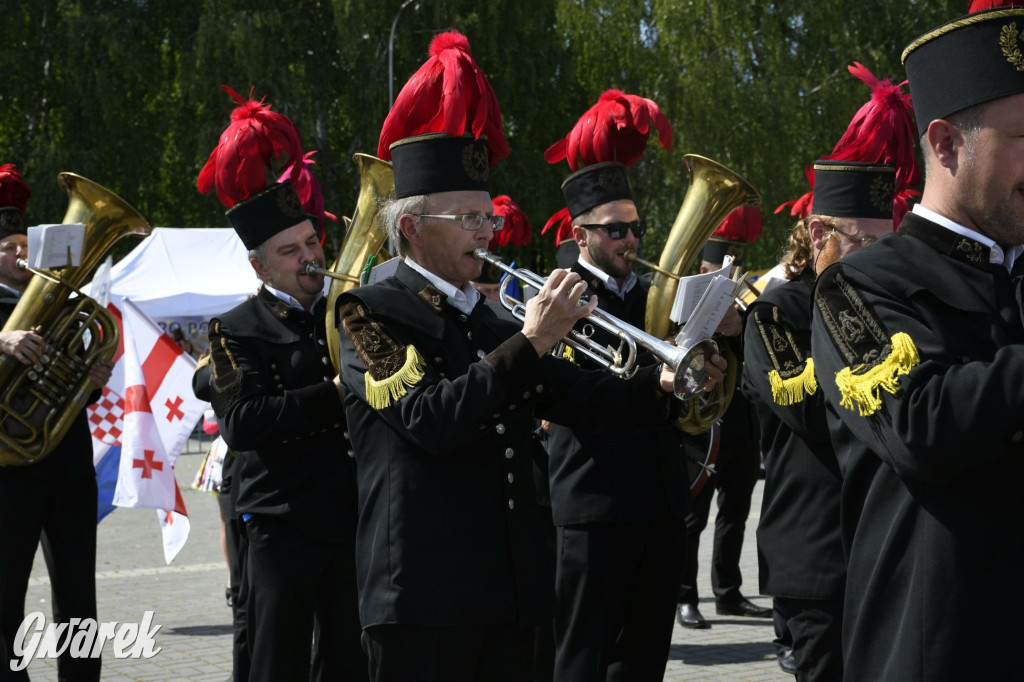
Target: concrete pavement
{"type": "Point", "coordinates": [188, 600]}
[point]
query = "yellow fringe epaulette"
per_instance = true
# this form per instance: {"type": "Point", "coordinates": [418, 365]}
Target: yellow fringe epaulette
{"type": "Point", "coordinates": [380, 394]}
{"type": "Point", "coordinates": [791, 391]}
{"type": "Point", "coordinates": [865, 389]}
{"type": "Point", "coordinates": [569, 353]}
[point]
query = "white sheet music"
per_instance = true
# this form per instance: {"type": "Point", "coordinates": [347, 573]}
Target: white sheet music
{"type": "Point", "coordinates": [709, 311]}
{"type": "Point", "coordinates": [48, 245]}
{"type": "Point", "coordinates": [691, 289]}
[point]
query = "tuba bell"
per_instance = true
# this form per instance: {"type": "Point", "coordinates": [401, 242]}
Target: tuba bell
{"type": "Point", "coordinates": [364, 237]}
{"type": "Point", "coordinates": [38, 403]}
{"type": "Point", "coordinates": [714, 192]}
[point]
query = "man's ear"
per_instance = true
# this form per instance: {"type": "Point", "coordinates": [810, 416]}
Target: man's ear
{"type": "Point", "coordinates": [261, 270]}
{"type": "Point", "coordinates": [410, 227]}
{"type": "Point", "coordinates": [579, 235]}
{"type": "Point", "coordinates": [944, 143]}
{"type": "Point", "coordinates": [820, 233]}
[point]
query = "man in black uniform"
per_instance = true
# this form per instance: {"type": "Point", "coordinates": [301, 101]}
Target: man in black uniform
{"type": "Point", "coordinates": [738, 462]}
{"type": "Point", "coordinates": [619, 500]}
{"type": "Point", "coordinates": [918, 345]}
{"type": "Point", "coordinates": [54, 499]}
{"type": "Point", "coordinates": [279, 406]}
{"type": "Point", "coordinates": [440, 399]}
{"type": "Point", "coordinates": [799, 550]}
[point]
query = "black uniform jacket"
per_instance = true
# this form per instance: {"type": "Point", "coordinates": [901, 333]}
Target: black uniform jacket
{"type": "Point", "coordinates": [449, 529]}
{"type": "Point", "coordinates": [931, 449]}
{"type": "Point", "coordinates": [800, 553]}
{"type": "Point", "coordinates": [277, 406]}
{"type": "Point", "coordinates": [622, 475]}
{"type": "Point", "coordinates": [71, 458]}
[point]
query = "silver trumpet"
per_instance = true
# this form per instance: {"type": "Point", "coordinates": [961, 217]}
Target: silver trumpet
{"type": "Point", "coordinates": [686, 363]}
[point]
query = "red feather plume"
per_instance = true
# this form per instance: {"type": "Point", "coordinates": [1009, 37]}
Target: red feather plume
{"type": "Point", "coordinates": [517, 230]}
{"type": "Point", "coordinates": [882, 131]}
{"type": "Point", "coordinates": [801, 208]}
{"type": "Point", "coordinates": [564, 223]}
{"type": "Point", "coordinates": [616, 128]}
{"type": "Point", "coordinates": [13, 190]}
{"type": "Point", "coordinates": [979, 5]}
{"type": "Point", "coordinates": [308, 189]}
{"type": "Point", "coordinates": [744, 224]}
{"type": "Point", "coordinates": [239, 166]}
{"type": "Point", "coordinates": [900, 206]}
{"type": "Point", "coordinates": [450, 94]}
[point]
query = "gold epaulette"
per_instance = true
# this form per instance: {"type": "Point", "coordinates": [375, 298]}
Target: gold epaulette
{"type": "Point", "coordinates": [380, 393]}
{"type": "Point", "coordinates": [865, 389]}
{"type": "Point", "coordinates": [791, 391]}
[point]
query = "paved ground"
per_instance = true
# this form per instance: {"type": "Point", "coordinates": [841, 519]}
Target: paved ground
{"type": "Point", "coordinates": [188, 600]}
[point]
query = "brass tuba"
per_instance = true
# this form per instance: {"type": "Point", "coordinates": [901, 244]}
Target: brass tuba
{"type": "Point", "coordinates": [714, 192]}
{"type": "Point", "coordinates": [38, 403]}
{"type": "Point", "coordinates": [364, 237]}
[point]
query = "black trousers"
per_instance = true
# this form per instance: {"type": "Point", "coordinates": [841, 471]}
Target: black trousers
{"type": "Point", "coordinates": [737, 468]}
{"type": "Point", "coordinates": [291, 579]}
{"type": "Point", "coordinates": [458, 653]}
{"type": "Point", "coordinates": [62, 514]}
{"type": "Point", "coordinates": [816, 626]}
{"type": "Point", "coordinates": [238, 554]}
{"type": "Point", "coordinates": [615, 584]}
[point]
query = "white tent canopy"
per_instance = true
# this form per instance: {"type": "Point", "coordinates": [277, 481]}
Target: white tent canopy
{"type": "Point", "coordinates": [185, 272]}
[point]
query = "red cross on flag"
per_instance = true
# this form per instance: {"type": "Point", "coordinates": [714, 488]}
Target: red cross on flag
{"type": "Point", "coordinates": [160, 412]}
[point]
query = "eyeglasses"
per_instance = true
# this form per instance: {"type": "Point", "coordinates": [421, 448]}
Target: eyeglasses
{"type": "Point", "coordinates": [618, 230]}
{"type": "Point", "coordinates": [863, 240]}
{"type": "Point", "coordinates": [471, 221]}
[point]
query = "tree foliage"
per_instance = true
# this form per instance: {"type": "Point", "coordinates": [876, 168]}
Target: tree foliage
{"type": "Point", "coordinates": [126, 92]}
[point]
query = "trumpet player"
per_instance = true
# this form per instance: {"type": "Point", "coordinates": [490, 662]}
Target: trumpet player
{"type": "Point", "coordinates": [53, 500]}
{"type": "Point", "coordinates": [440, 396]}
{"type": "Point", "coordinates": [278, 405]}
{"type": "Point", "coordinates": [620, 518]}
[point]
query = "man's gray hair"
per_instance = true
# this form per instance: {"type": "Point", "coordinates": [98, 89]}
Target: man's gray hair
{"type": "Point", "coordinates": [259, 253]}
{"type": "Point", "coordinates": [390, 212]}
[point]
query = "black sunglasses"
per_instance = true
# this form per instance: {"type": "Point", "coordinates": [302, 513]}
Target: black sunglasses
{"type": "Point", "coordinates": [618, 230]}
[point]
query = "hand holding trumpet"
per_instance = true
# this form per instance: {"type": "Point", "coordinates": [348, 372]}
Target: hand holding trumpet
{"type": "Point", "coordinates": [555, 309]}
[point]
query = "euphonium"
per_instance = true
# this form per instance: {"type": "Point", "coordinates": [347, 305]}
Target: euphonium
{"type": "Point", "coordinates": [38, 403]}
{"type": "Point", "coordinates": [364, 237]}
{"type": "Point", "coordinates": [713, 193]}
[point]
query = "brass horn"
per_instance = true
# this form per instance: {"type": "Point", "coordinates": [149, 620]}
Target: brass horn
{"type": "Point", "coordinates": [38, 403]}
{"type": "Point", "coordinates": [686, 363]}
{"type": "Point", "coordinates": [714, 192]}
{"type": "Point", "coordinates": [364, 237]}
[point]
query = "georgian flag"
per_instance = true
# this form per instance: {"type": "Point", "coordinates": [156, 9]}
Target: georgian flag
{"type": "Point", "coordinates": [160, 412]}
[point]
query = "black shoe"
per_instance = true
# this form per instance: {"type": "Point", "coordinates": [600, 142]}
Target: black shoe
{"type": "Point", "coordinates": [689, 617]}
{"type": "Point", "coordinates": [743, 607]}
{"type": "Point", "coordinates": [230, 598]}
{"type": "Point", "coordinates": [787, 662]}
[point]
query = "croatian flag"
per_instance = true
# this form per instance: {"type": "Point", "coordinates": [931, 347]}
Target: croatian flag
{"type": "Point", "coordinates": [160, 412]}
{"type": "Point", "coordinates": [106, 421]}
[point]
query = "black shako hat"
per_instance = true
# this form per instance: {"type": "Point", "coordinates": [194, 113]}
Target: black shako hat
{"type": "Point", "coordinates": [263, 215]}
{"type": "Point", "coordinates": [435, 162]}
{"type": "Point", "coordinates": [853, 189]}
{"type": "Point", "coordinates": [11, 222]}
{"type": "Point", "coordinates": [595, 185]}
{"type": "Point", "coordinates": [971, 60]}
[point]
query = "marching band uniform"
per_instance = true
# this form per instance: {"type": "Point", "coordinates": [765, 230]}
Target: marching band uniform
{"type": "Point", "coordinates": [278, 408]}
{"type": "Point", "coordinates": [920, 338]}
{"type": "Point", "coordinates": [800, 555]}
{"type": "Point", "coordinates": [53, 500]}
{"type": "Point", "coordinates": [619, 502]}
{"type": "Point", "coordinates": [449, 531]}
{"type": "Point", "coordinates": [930, 510]}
